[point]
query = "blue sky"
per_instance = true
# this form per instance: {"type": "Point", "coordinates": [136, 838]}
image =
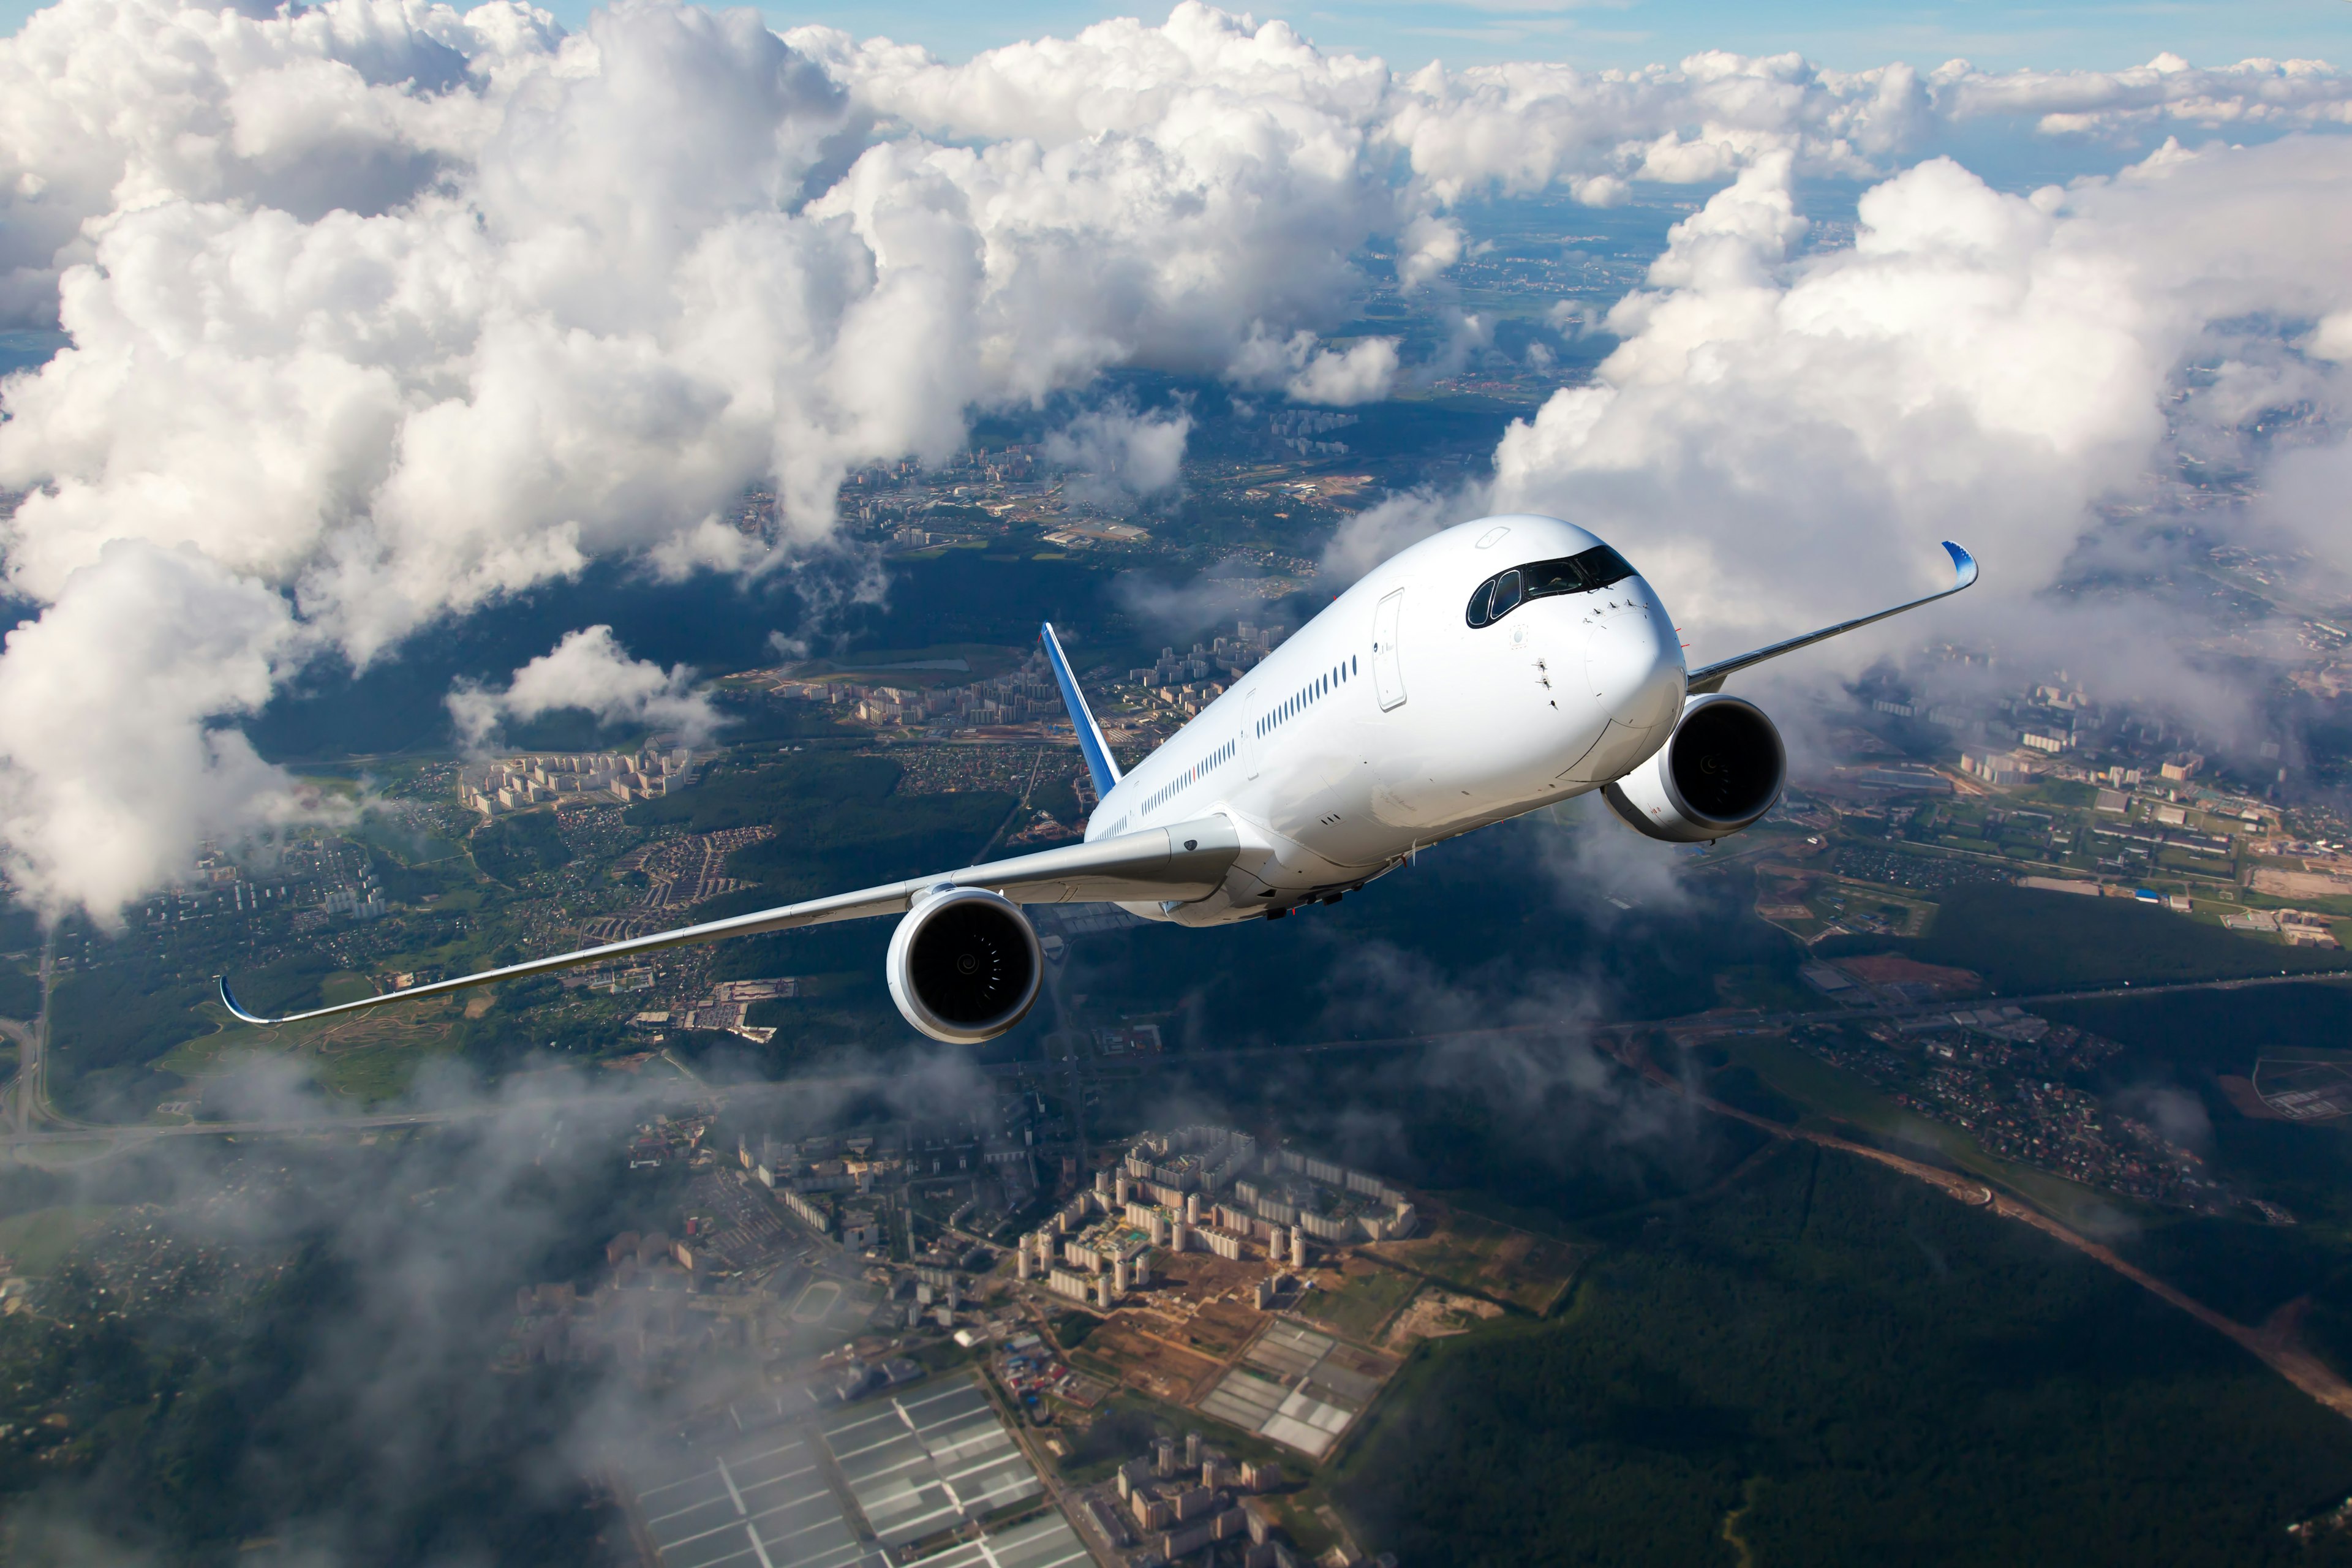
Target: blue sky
{"type": "Point", "coordinates": [1845, 34]}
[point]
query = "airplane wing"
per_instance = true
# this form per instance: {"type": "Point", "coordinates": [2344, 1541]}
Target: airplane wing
{"type": "Point", "coordinates": [1185, 862]}
{"type": "Point", "coordinates": [1711, 677]}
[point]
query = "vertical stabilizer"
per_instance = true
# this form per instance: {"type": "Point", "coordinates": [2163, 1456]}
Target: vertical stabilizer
{"type": "Point", "coordinates": [1099, 766]}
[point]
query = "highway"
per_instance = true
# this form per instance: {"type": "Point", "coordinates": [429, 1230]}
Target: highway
{"type": "Point", "coordinates": [29, 1094]}
{"type": "Point", "coordinates": [1074, 1071]}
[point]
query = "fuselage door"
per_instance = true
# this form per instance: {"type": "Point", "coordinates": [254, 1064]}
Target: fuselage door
{"type": "Point", "coordinates": [1388, 669]}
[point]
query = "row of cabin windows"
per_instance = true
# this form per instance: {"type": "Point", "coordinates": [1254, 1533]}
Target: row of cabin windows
{"type": "Point", "coordinates": [1189, 777]}
{"type": "Point", "coordinates": [1322, 686]}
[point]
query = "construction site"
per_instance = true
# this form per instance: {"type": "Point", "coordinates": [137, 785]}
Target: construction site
{"type": "Point", "coordinates": [1273, 1291]}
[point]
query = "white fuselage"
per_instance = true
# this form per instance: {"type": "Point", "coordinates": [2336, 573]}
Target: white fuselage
{"type": "Point", "coordinates": [1389, 721]}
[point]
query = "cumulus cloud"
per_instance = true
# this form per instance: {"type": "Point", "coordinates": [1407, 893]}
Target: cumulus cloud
{"type": "Point", "coordinates": [1388, 524]}
{"type": "Point", "coordinates": [1978, 366]}
{"type": "Point", "coordinates": [112, 761]}
{"type": "Point", "coordinates": [1308, 373]}
{"type": "Point", "coordinates": [1224, 592]}
{"type": "Point", "coordinates": [591, 670]}
{"type": "Point", "coordinates": [1121, 456]}
{"type": "Point", "coordinates": [387, 311]}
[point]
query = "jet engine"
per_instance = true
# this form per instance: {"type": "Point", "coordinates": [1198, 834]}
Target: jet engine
{"type": "Point", "coordinates": [1721, 769]}
{"type": "Point", "coordinates": [964, 965]}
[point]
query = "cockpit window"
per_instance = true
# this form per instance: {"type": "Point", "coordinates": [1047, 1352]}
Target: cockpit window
{"type": "Point", "coordinates": [1581, 573]}
{"type": "Point", "coordinates": [1479, 612]}
{"type": "Point", "coordinates": [1506, 594]}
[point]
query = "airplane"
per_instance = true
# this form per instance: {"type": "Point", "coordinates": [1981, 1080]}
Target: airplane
{"type": "Point", "coordinates": [1490, 669]}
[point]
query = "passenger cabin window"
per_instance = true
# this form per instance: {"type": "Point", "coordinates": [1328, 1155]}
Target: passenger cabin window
{"type": "Point", "coordinates": [1581, 573]}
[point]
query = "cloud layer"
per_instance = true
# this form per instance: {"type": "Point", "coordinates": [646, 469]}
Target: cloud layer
{"type": "Point", "coordinates": [380, 311]}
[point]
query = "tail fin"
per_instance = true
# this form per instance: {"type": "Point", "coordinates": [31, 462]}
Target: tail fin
{"type": "Point", "coordinates": [1099, 766]}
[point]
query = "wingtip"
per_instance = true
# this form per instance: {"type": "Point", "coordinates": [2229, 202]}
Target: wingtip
{"type": "Point", "coordinates": [228, 1000]}
{"type": "Point", "coordinates": [1964, 565]}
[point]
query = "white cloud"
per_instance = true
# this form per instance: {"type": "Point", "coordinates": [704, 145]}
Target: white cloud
{"type": "Point", "coordinates": [2333, 338]}
{"type": "Point", "coordinates": [589, 669]}
{"type": "Point", "coordinates": [382, 311]}
{"type": "Point", "coordinates": [1308, 373]}
{"type": "Point", "coordinates": [110, 768]}
{"type": "Point", "coordinates": [2257, 94]}
{"type": "Point", "coordinates": [1780, 441]}
{"type": "Point", "coordinates": [1121, 456]}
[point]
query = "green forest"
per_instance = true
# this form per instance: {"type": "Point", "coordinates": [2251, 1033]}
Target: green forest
{"type": "Point", "coordinates": [1849, 1368]}
{"type": "Point", "coordinates": [2023, 939]}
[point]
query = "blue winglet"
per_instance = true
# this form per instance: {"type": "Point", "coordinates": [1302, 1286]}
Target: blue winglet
{"type": "Point", "coordinates": [228, 1001]}
{"type": "Point", "coordinates": [1964, 565]}
{"type": "Point", "coordinates": [1099, 766]}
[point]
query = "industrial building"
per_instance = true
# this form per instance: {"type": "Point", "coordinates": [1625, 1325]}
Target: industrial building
{"type": "Point", "coordinates": [929, 1459]}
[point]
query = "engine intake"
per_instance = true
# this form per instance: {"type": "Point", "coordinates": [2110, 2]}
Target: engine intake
{"type": "Point", "coordinates": [1722, 768]}
{"type": "Point", "coordinates": [964, 965]}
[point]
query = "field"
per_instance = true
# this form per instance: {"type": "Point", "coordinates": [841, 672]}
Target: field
{"type": "Point", "coordinates": [367, 1057]}
{"type": "Point", "coordinates": [1500, 1262]}
{"type": "Point", "coordinates": [38, 1241]}
{"type": "Point", "coordinates": [2023, 940]}
{"type": "Point", "coordinates": [1357, 1299]}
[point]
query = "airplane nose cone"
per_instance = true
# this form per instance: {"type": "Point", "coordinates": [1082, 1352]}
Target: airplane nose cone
{"type": "Point", "coordinates": [1634, 669]}
{"type": "Point", "coordinates": [1633, 660]}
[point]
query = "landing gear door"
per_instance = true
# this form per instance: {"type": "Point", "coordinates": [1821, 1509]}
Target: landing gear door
{"type": "Point", "coordinates": [1388, 669]}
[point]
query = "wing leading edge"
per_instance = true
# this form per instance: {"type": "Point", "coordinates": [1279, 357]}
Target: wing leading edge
{"type": "Point", "coordinates": [1711, 677]}
{"type": "Point", "coordinates": [1186, 861]}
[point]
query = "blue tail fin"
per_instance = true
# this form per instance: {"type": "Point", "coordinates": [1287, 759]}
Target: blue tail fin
{"type": "Point", "coordinates": [1099, 766]}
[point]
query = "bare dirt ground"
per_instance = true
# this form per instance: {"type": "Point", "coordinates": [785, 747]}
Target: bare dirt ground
{"type": "Point", "coordinates": [1470, 1253]}
{"type": "Point", "coordinates": [1437, 1313]}
{"type": "Point", "coordinates": [1143, 1361]}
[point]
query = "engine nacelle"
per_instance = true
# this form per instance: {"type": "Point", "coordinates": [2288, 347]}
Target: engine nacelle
{"type": "Point", "coordinates": [964, 965]}
{"type": "Point", "coordinates": [1721, 769]}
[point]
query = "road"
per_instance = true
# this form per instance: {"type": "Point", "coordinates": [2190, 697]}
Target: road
{"type": "Point", "coordinates": [30, 1093]}
{"type": "Point", "coordinates": [2275, 1347]}
{"type": "Point", "coordinates": [1077, 1070]}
